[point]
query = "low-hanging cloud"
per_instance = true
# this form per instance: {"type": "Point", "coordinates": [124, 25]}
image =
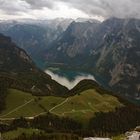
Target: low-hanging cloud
{"type": "Point", "coordinates": [69, 84]}
{"type": "Point", "coordinates": [93, 8]}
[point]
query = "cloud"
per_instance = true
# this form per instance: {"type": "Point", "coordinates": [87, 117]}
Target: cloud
{"type": "Point", "coordinates": [61, 11]}
{"type": "Point", "coordinates": [107, 8]}
{"type": "Point", "coordinates": [86, 8]}
{"type": "Point", "coordinates": [66, 82]}
{"type": "Point", "coordinates": [39, 4]}
{"type": "Point", "coordinates": [13, 7]}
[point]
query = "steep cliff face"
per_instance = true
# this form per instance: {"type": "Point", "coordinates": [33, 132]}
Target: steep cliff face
{"type": "Point", "coordinates": [73, 45]}
{"type": "Point", "coordinates": [119, 55]}
{"type": "Point", "coordinates": [34, 36]}
{"type": "Point", "coordinates": [19, 71]}
{"type": "Point", "coordinates": [110, 49]}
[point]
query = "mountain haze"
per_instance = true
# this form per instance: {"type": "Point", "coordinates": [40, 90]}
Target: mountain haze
{"type": "Point", "coordinates": [19, 71]}
{"type": "Point", "coordinates": [34, 36]}
{"type": "Point", "coordinates": [108, 49]}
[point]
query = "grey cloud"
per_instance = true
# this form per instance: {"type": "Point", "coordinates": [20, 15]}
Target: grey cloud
{"type": "Point", "coordinates": [121, 8]}
{"type": "Point", "coordinates": [38, 4]}
{"type": "Point", "coordinates": [107, 8]}
{"type": "Point", "coordinates": [13, 7]}
{"type": "Point", "coordinates": [104, 8]}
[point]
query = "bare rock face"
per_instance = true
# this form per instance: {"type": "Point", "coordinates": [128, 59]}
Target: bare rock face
{"type": "Point", "coordinates": [118, 56]}
{"type": "Point", "coordinates": [109, 49]}
{"type": "Point", "coordinates": [132, 135]}
{"type": "Point", "coordinates": [137, 129]}
{"type": "Point", "coordinates": [73, 44]}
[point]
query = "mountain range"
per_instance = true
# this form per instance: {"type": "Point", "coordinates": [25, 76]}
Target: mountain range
{"type": "Point", "coordinates": [109, 49]}
{"type": "Point", "coordinates": [34, 36]}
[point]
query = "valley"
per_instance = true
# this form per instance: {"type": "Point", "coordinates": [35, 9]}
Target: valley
{"type": "Point", "coordinates": [109, 50]}
{"type": "Point", "coordinates": [69, 79]}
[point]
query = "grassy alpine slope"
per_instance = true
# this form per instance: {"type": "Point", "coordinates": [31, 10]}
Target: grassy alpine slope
{"type": "Point", "coordinates": [88, 108]}
{"type": "Point", "coordinates": [19, 103]}
{"type": "Point", "coordinates": [80, 107]}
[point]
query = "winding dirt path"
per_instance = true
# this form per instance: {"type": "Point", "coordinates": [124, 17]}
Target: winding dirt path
{"type": "Point", "coordinates": [50, 110]}
{"type": "Point", "coordinates": [19, 107]}
{"type": "Point", "coordinates": [32, 117]}
{"type": "Point", "coordinates": [59, 105]}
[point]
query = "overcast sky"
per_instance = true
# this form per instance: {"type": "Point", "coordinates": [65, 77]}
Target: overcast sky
{"type": "Point", "coordinates": [44, 9]}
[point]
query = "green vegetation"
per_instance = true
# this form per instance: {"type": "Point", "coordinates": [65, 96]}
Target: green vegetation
{"type": "Point", "coordinates": [89, 113]}
{"type": "Point", "coordinates": [20, 103]}
{"type": "Point", "coordinates": [46, 127]}
{"type": "Point", "coordinates": [116, 122]}
{"type": "Point", "coordinates": [23, 104]}
{"type": "Point", "coordinates": [83, 106]}
{"type": "Point", "coordinates": [16, 133]}
{"type": "Point", "coordinates": [120, 137]}
{"type": "Point", "coordinates": [3, 93]}
{"type": "Point", "coordinates": [32, 133]}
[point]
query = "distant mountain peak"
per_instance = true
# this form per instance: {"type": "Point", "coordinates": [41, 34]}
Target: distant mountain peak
{"type": "Point", "coordinates": [87, 20]}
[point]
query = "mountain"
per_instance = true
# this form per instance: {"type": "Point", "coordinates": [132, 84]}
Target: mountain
{"type": "Point", "coordinates": [19, 71]}
{"type": "Point", "coordinates": [86, 19]}
{"type": "Point", "coordinates": [51, 23]}
{"type": "Point", "coordinates": [34, 36]}
{"type": "Point", "coordinates": [117, 55]}
{"type": "Point", "coordinates": [109, 50]}
{"type": "Point", "coordinates": [73, 45]}
{"type": "Point", "coordinates": [39, 36]}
